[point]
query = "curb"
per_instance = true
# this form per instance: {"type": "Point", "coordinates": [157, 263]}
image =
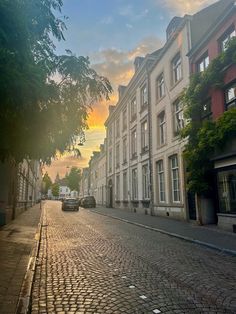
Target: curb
{"type": "Point", "coordinates": [25, 294]}
{"type": "Point", "coordinates": [174, 235]}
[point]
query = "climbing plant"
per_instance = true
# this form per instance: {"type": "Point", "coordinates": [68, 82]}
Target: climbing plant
{"type": "Point", "coordinates": [205, 137]}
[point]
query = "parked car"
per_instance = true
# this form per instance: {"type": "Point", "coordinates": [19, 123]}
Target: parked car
{"type": "Point", "coordinates": [88, 202]}
{"type": "Point", "coordinates": [70, 204]}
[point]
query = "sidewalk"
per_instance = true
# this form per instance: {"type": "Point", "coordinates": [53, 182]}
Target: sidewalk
{"type": "Point", "coordinates": [16, 242]}
{"type": "Point", "coordinates": [209, 236]}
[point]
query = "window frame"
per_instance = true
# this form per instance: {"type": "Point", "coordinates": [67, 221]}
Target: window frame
{"type": "Point", "coordinates": [202, 61]}
{"type": "Point", "coordinates": [176, 68]}
{"type": "Point", "coordinates": [177, 113]}
{"type": "Point", "coordinates": [145, 182]}
{"type": "Point", "coordinates": [160, 87]}
{"type": "Point", "coordinates": [173, 171]}
{"type": "Point", "coordinates": [134, 181]}
{"type": "Point", "coordinates": [161, 124]}
{"type": "Point", "coordinates": [226, 37]}
{"type": "Point", "coordinates": [161, 181]}
{"type": "Point", "coordinates": [133, 143]}
{"type": "Point", "coordinates": [144, 96]}
{"type": "Point", "coordinates": [144, 136]}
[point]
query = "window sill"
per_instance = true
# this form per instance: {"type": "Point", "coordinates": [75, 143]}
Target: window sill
{"type": "Point", "coordinates": [160, 99]}
{"type": "Point", "coordinates": [134, 157]}
{"type": "Point", "coordinates": [176, 83]}
{"type": "Point", "coordinates": [162, 145]}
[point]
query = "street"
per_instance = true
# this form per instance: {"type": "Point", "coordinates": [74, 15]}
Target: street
{"type": "Point", "coordinates": [90, 263]}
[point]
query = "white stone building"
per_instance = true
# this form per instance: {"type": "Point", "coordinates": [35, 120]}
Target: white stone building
{"type": "Point", "coordinates": [101, 176]}
{"type": "Point", "coordinates": [168, 78]}
{"type": "Point", "coordinates": [128, 141]}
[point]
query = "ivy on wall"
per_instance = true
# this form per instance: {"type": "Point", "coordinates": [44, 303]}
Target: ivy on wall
{"type": "Point", "coordinates": [205, 137]}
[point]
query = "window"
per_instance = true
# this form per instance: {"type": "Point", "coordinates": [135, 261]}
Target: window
{"type": "Point", "coordinates": [161, 122]}
{"type": "Point", "coordinates": [175, 179]}
{"type": "Point", "coordinates": [176, 68]}
{"type": "Point", "coordinates": [134, 180]}
{"type": "Point", "coordinates": [124, 119]}
{"type": "Point", "coordinates": [133, 109]}
{"type": "Point", "coordinates": [110, 135]}
{"type": "Point", "coordinates": [133, 143]}
{"type": "Point", "coordinates": [144, 98]}
{"type": "Point", "coordinates": [110, 160]}
{"type": "Point", "coordinates": [227, 190]}
{"type": "Point", "coordinates": [125, 187]}
{"type": "Point", "coordinates": [203, 63]}
{"type": "Point", "coordinates": [145, 180]}
{"type": "Point", "coordinates": [160, 87]}
{"type": "Point", "coordinates": [224, 41]}
{"type": "Point", "coordinates": [117, 187]}
{"type": "Point", "coordinates": [230, 96]}
{"type": "Point", "coordinates": [144, 136]}
{"type": "Point", "coordinates": [125, 150]}
{"type": "Point", "coordinates": [118, 127]}
{"type": "Point", "coordinates": [178, 116]}
{"type": "Point", "coordinates": [117, 155]}
{"type": "Point", "coordinates": [161, 181]}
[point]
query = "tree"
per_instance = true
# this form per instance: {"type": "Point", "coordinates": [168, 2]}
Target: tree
{"type": "Point", "coordinates": [55, 189]}
{"type": "Point", "coordinates": [46, 183]}
{"type": "Point", "coordinates": [74, 178]}
{"type": "Point", "coordinates": [44, 98]}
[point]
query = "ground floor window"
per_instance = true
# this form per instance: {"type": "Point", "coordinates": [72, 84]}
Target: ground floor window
{"type": "Point", "coordinates": [226, 181]}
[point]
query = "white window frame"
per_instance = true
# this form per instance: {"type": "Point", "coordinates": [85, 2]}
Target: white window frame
{"type": "Point", "coordinates": [161, 123]}
{"type": "Point", "coordinates": [124, 114]}
{"type": "Point", "coordinates": [144, 136]}
{"type": "Point", "coordinates": [203, 63]}
{"type": "Point", "coordinates": [133, 108]}
{"type": "Point", "coordinates": [177, 68]}
{"type": "Point", "coordinates": [134, 143]}
{"type": "Point", "coordinates": [125, 149]}
{"type": "Point", "coordinates": [117, 155]}
{"type": "Point", "coordinates": [178, 113]}
{"type": "Point", "coordinates": [161, 181]}
{"type": "Point", "coordinates": [160, 86]}
{"type": "Point", "coordinates": [118, 187]}
{"type": "Point", "coordinates": [134, 180]}
{"type": "Point", "coordinates": [125, 186]}
{"type": "Point", "coordinates": [145, 181]}
{"type": "Point", "coordinates": [230, 96]}
{"type": "Point", "coordinates": [224, 40]}
{"type": "Point", "coordinates": [175, 179]}
{"type": "Point", "coordinates": [144, 95]}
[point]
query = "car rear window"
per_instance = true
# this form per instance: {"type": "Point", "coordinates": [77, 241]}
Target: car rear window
{"type": "Point", "coordinates": [71, 201]}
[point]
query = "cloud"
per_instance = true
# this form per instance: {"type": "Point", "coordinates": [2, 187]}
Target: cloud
{"type": "Point", "coordinates": [129, 25]}
{"type": "Point", "coordinates": [117, 65]}
{"type": "Point", "coordinates": [107, 20]}
{"type": "Point", "coordinates": [185, 6]}
{"type": "Point", "coordinates": [129, 12]}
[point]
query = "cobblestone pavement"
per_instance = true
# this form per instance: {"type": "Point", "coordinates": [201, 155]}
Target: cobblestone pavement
{"type": "Point", "coordinates": [90, 263]}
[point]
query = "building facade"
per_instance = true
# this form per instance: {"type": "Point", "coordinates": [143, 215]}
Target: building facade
{"type": "Point", "coordinates": [223, 204]}
{"type": "Point", "coordinates": [20, 187]}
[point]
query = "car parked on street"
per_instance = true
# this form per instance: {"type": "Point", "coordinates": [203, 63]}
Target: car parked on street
{"type": "Point", "coordinates": [70, 204]}
{"type": "Point", "coordinates": [88, 202]}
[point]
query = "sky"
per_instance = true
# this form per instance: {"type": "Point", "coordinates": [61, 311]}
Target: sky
{"type": "Point", "coordinates": [112, 33]}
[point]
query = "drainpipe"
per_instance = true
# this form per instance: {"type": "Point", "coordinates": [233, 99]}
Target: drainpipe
{"type": "Point", "coordinates": [150, 142]}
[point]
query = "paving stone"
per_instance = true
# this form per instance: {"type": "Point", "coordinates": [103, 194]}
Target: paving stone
{"type": "Point", "coordinates": [80, 251]}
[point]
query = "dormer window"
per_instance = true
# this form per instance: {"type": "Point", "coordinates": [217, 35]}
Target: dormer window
{"type": "Point", "coordinates": [176, 68]}
{"type": "Point", "coordinates": [228, 35]}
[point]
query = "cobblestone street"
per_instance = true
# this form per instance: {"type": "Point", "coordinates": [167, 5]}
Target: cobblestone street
{"type": "Point", "coordinates": [89, 263]}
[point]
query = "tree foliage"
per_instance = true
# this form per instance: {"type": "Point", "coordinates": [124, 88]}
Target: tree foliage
{"type": "Point", "coordinates": [55, 189]}
{"type": "Point", "coordinates": [206, 137]}
{"type": "Point", "coordinates": [44, 98]}
{"type": "Point", "coordinates": [46, 183]}
{"type": "Point", "coordinates": [73, 178]}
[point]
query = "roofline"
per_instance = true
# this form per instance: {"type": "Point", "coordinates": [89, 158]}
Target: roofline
{"type": "Point", "coordinates": [230, 10]}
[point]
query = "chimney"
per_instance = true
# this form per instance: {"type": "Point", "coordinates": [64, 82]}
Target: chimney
{"type": "Point", "coordinates": [121, 90]}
